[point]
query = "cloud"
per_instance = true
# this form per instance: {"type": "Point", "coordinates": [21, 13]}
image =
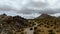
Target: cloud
{"type": "Point", "coordinates": [5, 8]}
{"type": "Point", "coordinates": [19, 4]}
{"type": "Point", "coordinates": [29, 7]}
{"type": "Point", "coordinates": [13, 4]}
{"type": "Point", "coordinates": [37, 5]}
{"type": "Point", "coordinates": [47, 10]}
{"type": "Point", "coordinates": [51, 11]}
{"type": "Point", "coordinates": [48, 6]}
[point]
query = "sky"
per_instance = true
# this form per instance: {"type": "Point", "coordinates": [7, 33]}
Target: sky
{"type": "Point", "coordinates": [30, 8]}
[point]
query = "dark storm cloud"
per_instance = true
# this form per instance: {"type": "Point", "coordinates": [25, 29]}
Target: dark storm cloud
{"type": "Point", "coordinates": [33, 6]}
{"type": "Point", "coordinates": [6, 8]}
{"type": "Point", "coordinates": [26, 9]}
{"type": "Point", "coordinates": [29, 8]}
{"type": "Point", "coordinates": [50, 11]}
{"type": "Point", "coordinates": [31, 11]}
{"type": "Point", "coordinates": [37, 4]}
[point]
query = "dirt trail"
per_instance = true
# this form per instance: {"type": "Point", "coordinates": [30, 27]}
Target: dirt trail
{"type": "Point", "coordinates": [30, 31]}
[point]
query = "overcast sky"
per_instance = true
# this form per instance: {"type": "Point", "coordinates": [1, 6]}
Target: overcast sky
{"type": "Point", "coordinates": [29, 8]}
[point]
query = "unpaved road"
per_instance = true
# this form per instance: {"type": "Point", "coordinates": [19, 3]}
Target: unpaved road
{"type": "Point", "coordinates": [30, 31]}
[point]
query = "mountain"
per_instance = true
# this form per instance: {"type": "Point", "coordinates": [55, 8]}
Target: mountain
{"type": "Point", "coordinates": [9, 24]}
{"type": "Point", "coordinates": [47, 24]}
{"type": "Point", "coordinates": [18, 24]}
{"type": "Point", "coordinates": [44, 16]}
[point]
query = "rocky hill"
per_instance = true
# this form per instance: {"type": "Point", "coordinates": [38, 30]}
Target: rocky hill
{"type": "Point", "coordinates": [44, 24]}
{"type": "Point", "coordinates": [44, 16]}
{"type": "Point", "coordinates": [47, 24]}
{"type": "Point", "coordinates": [12, 24]}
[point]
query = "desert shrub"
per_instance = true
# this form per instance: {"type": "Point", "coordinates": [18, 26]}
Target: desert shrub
{"type": "Point", "coordinates": [31, 28]}
{"type": "Point", "coordinates": [22, 29]}
{"type": "Point", "coordinates": [51, 32]}
{"type": "Point", "coordinates": [39, 25]}
{"type": "Point", "coordinates": [58, 30]}
{"type": "Point", "coordinates": [48, 23]}
{"type": "Point", "coordinates": [10, 32]}
{"type": "Point", "coordinates": [51, 25]}
{"type": "Point", "coordinates": [35, 33]}
{"type": "Point", "coordinates": [18, 30]}
{"type": "Point", "coordinates": [35, 28]}
{"type": "Point", "coordinates": [22, 33]}
{"type": "Point", "coordinates": [55, 27]}
{"type": "Point", "coordinates": [46, 26]}
{"type": "Point", "coordinates": [39, 30]}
